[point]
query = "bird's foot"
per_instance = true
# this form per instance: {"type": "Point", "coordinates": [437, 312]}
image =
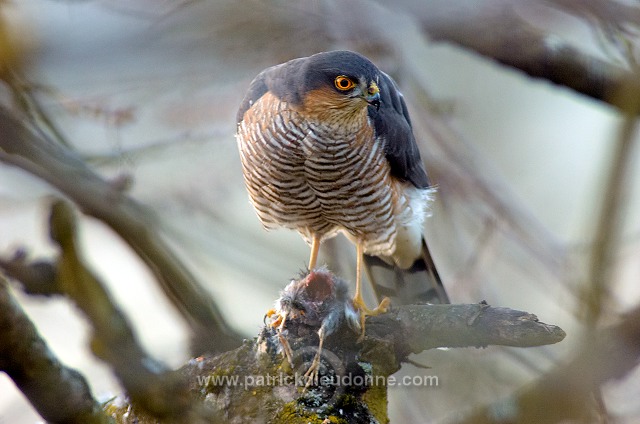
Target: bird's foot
{"type": "Point", "coordinates": [272, 318]}
{"type": "Point", "coordinates": [365, 311]}
{"type": "Point", "coordinates": [276, 321]}
{"type": "Point", "coordinates": [311, 376]}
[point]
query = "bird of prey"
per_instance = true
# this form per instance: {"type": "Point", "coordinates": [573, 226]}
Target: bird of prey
{"type": "Point", "coordinates": [327, 146]}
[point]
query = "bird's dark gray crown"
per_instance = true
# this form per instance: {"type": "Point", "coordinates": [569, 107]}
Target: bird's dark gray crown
{"type": "Point", "coordinates": [292, 80]}
{"type": "Point", "coordinates": [321, 69]}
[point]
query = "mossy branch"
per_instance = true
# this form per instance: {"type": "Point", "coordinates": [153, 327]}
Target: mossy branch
{"type": "Point", "coordinates": [255, 383]}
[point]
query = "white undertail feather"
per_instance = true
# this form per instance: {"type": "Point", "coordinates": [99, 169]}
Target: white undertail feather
{"type": "Point", "coordinates": [410, 231]}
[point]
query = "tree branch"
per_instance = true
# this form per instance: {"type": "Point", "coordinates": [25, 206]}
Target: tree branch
{"type": "Point", "coordinates": [37, 278]}
{"type": "Point", "coordinates": [415, 328]}
{"type": "Point", "coordinates": [133, 222]}
{"type": "Point", "coordinates": [270, 387]}
{"type": "Point", "coordinates": [565, 393]}
{"type": "Point", "coordinates": [58, 393]}
{"type": "Point", "coordinates": [158, 391]}
{"type": "Point", "coordinates": [494, 30]}
{"type": "Point", "coordinates": [255, 383]}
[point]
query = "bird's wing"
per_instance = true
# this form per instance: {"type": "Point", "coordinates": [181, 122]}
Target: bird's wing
{"type": "Point", "coordinates": [421, 282]}
{"type": "Point", "coordinates": [281, 80]}
{"type": "Point", "coordinates": [393, 125]}
{"type": "Point", "coordinates": [256, 90]}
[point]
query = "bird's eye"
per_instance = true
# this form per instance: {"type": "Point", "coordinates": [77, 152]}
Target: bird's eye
{"type": "Point", "coordinates": [343, 83]}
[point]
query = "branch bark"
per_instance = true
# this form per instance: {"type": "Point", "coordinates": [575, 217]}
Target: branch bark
{"type": "Point", "coordinates": [58, 393]}
{"type": "Point", "coordinates": [424, 327]}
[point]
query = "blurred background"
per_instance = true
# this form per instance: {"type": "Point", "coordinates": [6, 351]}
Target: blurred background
{"type": "Point", "coordinates": [150, 89]}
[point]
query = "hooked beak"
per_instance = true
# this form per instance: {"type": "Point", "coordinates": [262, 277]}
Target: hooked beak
{"type": "Point", "coordinates": [372, 95]}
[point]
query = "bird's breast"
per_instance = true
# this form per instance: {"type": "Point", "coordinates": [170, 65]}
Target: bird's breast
{"type": "Point", "coordinates": [319, 177]}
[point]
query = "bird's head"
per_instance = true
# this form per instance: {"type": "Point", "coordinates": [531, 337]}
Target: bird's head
{"type": "Point", "coordinates": [358, 89]}
{"type": "Point", "coordinates": [339, 81]}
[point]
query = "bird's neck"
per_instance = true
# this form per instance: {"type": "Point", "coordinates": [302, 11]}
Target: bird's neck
{"type": "Point", "coordinates": [324, 108]}
{"type": "Point", "coordinates": [339, 119]}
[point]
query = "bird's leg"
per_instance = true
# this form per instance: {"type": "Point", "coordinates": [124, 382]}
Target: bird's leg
{"type": "Point", "coordinates": [277, 322]}
{"type": "Point", "coordinates": [358, 301]}
{"type": "Point", "coordinates": [315, 247]}
{"type": "Point", "coordinates": [311, 376]}
{"type": "Point", "coordinates": [286, 348]}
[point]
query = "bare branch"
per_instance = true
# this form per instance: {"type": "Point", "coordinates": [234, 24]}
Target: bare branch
{"type": "Point", "coordinates": [610, 223]}
{"type": "Point", "coordinates": [495, 31]}
{"type": "Point", "coordinates": [132, 221]}
{"type": "Point", "coordinates": [58, 393]}
{"type": "Point", "coordinates": [37, 278]}
{"type": "Point", "coordinates": [415, 328]}
{"type": "Point", "coordinates": [566, 392]}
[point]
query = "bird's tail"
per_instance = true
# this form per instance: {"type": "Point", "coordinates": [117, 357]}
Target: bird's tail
{"type": "Point", "coordinates": [419, 284]}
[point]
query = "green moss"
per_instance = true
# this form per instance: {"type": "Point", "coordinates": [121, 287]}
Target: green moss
{"type": "Point", "coordinates": [293, 413]}
{"type": "Point", "coordinates": [376, 400]}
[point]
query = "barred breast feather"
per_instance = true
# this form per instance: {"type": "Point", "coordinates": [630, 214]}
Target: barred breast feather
{"type": "Point", "coordinates": [320, 179]}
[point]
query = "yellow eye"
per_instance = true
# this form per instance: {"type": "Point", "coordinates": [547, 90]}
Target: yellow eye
{"type": "Point", "coordinates": [343, 83]}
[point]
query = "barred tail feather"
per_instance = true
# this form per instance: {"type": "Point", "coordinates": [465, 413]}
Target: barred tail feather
{"type": "Point", "coordinates": [419, 284]}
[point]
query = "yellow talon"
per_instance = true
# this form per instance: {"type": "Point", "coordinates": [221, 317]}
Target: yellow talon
{"type": "Point", "coordinates": [359, 304]}
{"type": "Point", "coordinates": [274, 322]}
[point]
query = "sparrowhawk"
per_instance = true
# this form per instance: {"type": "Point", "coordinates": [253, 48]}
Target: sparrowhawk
{"type": "Point", "coordinates": [327, 146]}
